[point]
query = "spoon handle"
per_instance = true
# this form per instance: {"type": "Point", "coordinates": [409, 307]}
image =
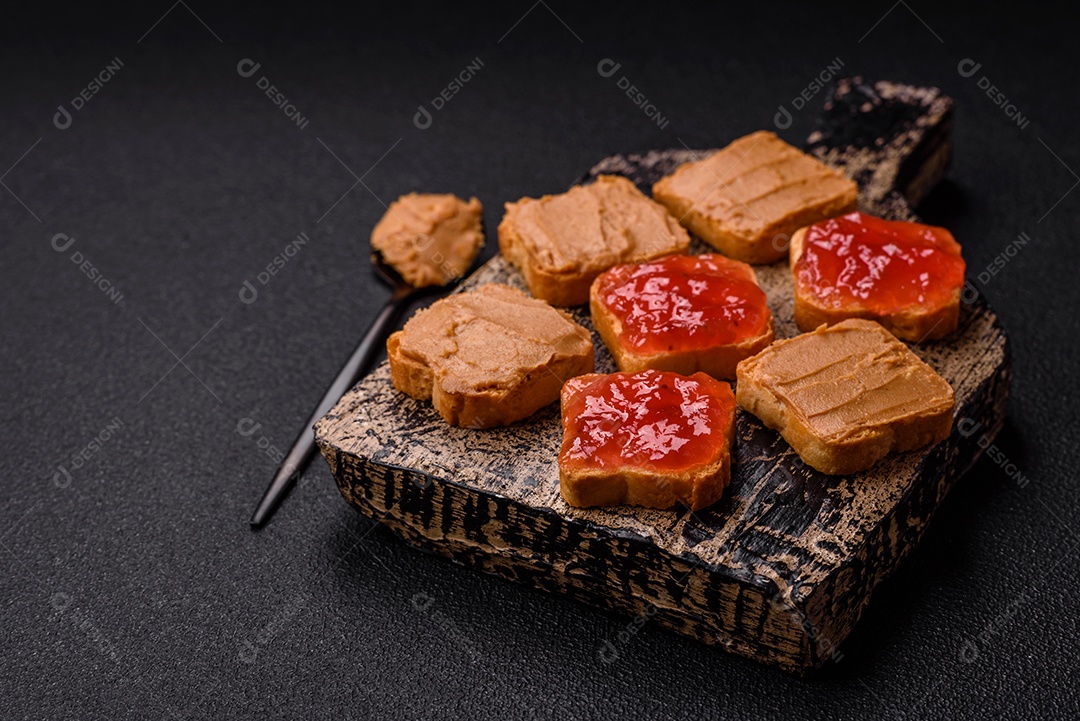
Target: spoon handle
{"type": "Point", "coordinates": [304, 445]}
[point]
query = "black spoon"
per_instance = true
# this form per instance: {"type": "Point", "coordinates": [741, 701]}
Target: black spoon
{"type": "Point", "coordinates": [354, 369]}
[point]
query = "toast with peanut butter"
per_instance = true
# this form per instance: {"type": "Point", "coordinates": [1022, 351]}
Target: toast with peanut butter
{"type": "Point", "coordinates": [488, 357]}
{"type": "Point", "coordinates": [847, 395]}
{"type": "Point", "coordinates": [747, 199]}
{"type": "Point", "coordinates": [560, 243]}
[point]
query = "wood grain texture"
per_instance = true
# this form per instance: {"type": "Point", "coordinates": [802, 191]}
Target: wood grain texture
{"type": "Point", "coordinates": [779, 570]}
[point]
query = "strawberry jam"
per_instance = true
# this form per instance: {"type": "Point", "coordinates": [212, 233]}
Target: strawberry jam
{"type": "Point", "coordinates": [882, 266]}
{"type": "Point", "coordinates": [651, 420]}
{"type": "Point", "coordinates": [684, 302]}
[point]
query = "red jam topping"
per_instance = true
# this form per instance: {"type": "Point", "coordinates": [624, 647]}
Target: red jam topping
{"type": "Point", "coordinates": [652, 419]}
{"type": "Point", "coordinates": [879, 265]}
{"type": "Point", "coordinates": [684, 302]}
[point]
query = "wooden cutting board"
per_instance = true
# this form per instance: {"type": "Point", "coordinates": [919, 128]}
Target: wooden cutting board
{"type": "Point", "coordinates": [781, 568]}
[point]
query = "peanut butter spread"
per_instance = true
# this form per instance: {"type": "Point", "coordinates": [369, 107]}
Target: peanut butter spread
{"type": "Point", "coordinates": [851, 377]}
{"type": "Point", "coordinates": [490, 338]}
{"type": "Point", "coordinates": [757, 186]}
{"type": "Point", "coordinates": [429, 239]}
{"type": "Point", "coordinates": [593, 227]}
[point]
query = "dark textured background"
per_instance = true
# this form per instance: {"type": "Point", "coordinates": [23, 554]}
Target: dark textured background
{"type": "Point", "coordinates": [136, 588]}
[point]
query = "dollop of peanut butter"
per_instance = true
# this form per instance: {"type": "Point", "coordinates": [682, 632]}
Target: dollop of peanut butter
{"type": "Point", "coordinates": [430, 239]}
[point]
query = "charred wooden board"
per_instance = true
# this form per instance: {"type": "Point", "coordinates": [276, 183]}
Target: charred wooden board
{"type": "Point", "coordinates": [894, 140]}
{"type": "Point", "coordinates": [779, 570]}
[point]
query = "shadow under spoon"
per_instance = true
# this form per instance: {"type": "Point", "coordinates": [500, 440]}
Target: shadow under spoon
{"type": "Point", "coordinates": [358, 364]}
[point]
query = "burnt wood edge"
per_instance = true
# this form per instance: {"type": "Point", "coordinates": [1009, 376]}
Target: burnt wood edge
{"type": "Point", "coordinates": [928, 164]}
{"type": "Point", "coordinates": [649, 589]}
{"type": "Point", "coordinates": [795, 631]}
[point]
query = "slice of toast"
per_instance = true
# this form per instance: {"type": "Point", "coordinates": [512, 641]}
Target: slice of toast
{"type": "Point", "coordinates": [488, 357]}
{"type": "Point", "coordinates": [749, 197]}
{"type": "Point", "coordinates": [561, 243]}
{"type": "Point", "coordinates": [652, 439]}
{"type": "Point", "coordinates": [682, 314]}
{"type": "Point", "coordinates": [847, 395]}
{"type": "Point", "coordinates": [920, 316]}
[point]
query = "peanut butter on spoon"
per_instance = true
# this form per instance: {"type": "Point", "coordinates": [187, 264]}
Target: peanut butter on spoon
{"type": "Point", "coordinates": [429, 239]}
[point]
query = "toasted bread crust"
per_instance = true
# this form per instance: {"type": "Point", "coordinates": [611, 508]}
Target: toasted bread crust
{"type": "Point", "coordinates": [718, 361]}
{"type": "Point", "coordinates": [915, 324]}
{"type": "Point", "coordinates": [630, 486]}
{"type": "Point", "coordinates": [695, 488]}
{"type": "Point", "coordinates": [409, 375]}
